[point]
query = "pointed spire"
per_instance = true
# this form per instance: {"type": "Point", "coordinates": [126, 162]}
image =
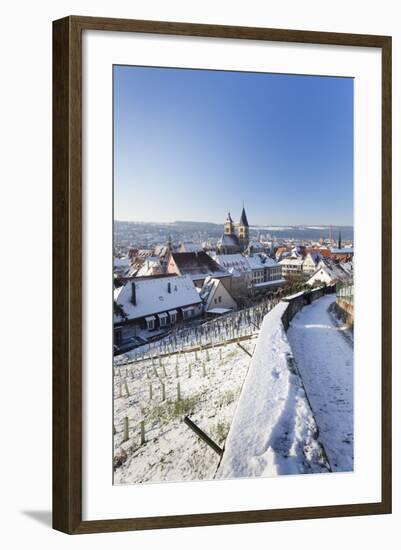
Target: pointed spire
{"type": "Point", "coordinates": [243, 220]}
{"type": "Point", "coordinates": [339, 240]}
{"type": "Point", "coordinates": [229, 219]}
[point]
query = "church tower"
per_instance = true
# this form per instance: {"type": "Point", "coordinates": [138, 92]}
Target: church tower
{"type": "Point", "coordinates": [228, 225]}
{"type": "Point", "coordinates": [243, 230]}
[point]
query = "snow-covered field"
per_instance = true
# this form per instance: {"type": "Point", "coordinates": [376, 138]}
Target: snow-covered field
{"type": "Point", "coordinates": [324, 357]}
{"type": "Point", "coordinates": [291, 417]}
{"type": "Point", "coordinates": [204, 385]}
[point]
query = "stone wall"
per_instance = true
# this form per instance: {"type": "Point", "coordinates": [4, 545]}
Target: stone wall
{"type": "Point", "coordinates": [297, 301]}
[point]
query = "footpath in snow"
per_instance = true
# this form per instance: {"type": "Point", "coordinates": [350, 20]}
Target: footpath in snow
{"type": "Point", "coordinates": [324, 357]}
{"type": "Point", "coordinates": [273, 430]}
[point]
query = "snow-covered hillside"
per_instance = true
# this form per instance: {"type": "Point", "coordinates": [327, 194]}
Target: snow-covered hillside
{"type": "Point", "coordinates": [290, 413]}
{"type": "Point", "coordinates": [208, 382]}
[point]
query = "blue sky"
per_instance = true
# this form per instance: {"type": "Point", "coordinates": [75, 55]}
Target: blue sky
{"type": "Point", "coordinates": [193, 144]}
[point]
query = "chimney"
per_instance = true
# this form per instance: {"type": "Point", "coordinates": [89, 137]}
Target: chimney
{"type": "Point", "coordinates": [133, 293]}
{"type": "Point", "coordinates": [169, 287]}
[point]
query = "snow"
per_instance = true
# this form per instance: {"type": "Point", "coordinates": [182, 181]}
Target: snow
{"type": "Point", "coordinates": [121, 262]}
{"type": "Point", "coordinates": [152, 296]}
{"type": "Point", "coordinates": [236, 261]}
{"type": "Point", "coordinates": [329, 271]}
{"type": "Point", "coordinates": [209, 386]}
{"type": "Point", "coordinates": [233, 325]}
{"type": "Point", "coordinates": [151, 266]}
{"type": "Point", "coordinates": [345, 250]}
{"type": "Point", "coordinates": [282, 416]}
{"type": "Point", "coordinates": [324, 357]}
{"type": "Point", "coordinates": [269, 283]}
{"type": "Point", "coordinates": [244, 263]}
{"type": "Point", "coordinates": [259, 261]}
{"type": "Point", "coordinates": [273, 430]}
{"type": "Point", "coordinates": [219, 310]}
{"type": "Point", "coordinates": [291, 261]}
{"type": "Point", "coordinates": [190, 247]}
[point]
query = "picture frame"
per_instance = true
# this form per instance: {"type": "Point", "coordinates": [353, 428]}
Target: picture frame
{"type": "Point", "coordinates": [67, 273]}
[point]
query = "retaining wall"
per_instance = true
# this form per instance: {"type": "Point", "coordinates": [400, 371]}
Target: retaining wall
{"type": "Point", "coordinates": [272, 401]}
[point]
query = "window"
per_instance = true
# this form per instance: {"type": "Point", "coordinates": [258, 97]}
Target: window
{"type": "Point", "coordinates": [150, 324]}
{"type": "Point", "coordinates": [220, 299]}
{"type": "Point", "coordinates": [173, 318]}
{"type": "Point", "coordinates": [117, 337]}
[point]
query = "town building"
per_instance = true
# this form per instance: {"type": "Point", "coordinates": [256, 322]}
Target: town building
{"type": "Point", "coordinates": [329, 272]}
{"type": "Point", "coordinates": [241, 273]}
{"type": "Point", "coordinates": [256, 271]}
{"type": "Point", "coordinates": [236, 235]}
{"type": "Point", "coordinates": [311, 261]}
{"type": "Point", "coordinates": [197, 265]}
{"type": "Point", "coordinates": [216, 298]}
{"type": "Point", "coordinates": [266, 272]}
{"type": "Point", "coordinates": [292, 268]}
{"type": "Point", "coordinates": [146, 307]}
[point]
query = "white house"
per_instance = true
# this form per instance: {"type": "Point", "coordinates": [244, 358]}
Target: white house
{"type": "Point", "coordinates": [329, 272]}
{"type": "Point", "coordinates": [291, 267]}
{"type": "Point", "coordinates": [266, 272]}
{"type": "Point", "coordinates": [216, 298]}
{"type": "Point", "coordinates": [149, 305]}
{"type": "Point", "coordinates": [311, 262]}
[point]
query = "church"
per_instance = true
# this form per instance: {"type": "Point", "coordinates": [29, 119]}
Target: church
{"type": "Point", "coordinates": [235, 237]}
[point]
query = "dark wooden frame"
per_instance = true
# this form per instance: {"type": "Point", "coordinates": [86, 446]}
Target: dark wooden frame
{"type": "Point", "coordinates": [67, 262]}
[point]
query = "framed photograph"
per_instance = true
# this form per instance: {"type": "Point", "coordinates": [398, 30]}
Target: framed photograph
{"type": "Point", "coordinates": [221, 274]}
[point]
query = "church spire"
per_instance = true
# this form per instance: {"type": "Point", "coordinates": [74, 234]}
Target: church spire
{"type": "Point", "coordinates": [339, 240]}
{"type": "Point", "coordinates": [243, 220]}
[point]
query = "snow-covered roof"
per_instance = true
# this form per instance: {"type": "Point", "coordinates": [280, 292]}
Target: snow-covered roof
{"type": "Point", "coordinates": [151, 266]}
{"type": "Point", "coordinates": [236, 261]}
{"type": "Point", "coordinates": [256, 245]}
{"type": "Point", "coordinates": [121, 262]}
{"type": "Point", "coordinates": [315, 256]}
{"type": "Point", "coordinates": [153, 296]}
{"type": "Point", "coordinates": [219, 310]}
{"type": "Point", "coordinates": [190, 247]}
{"type": "Point", "coordinates": [346, 250]}
{"type": "Point", "coordinates": [291, 261]}
{"type": "Point", "coordinates": [207, 288]}
{"type": "Point", "coordinates": [228, 240]}
{"type": "Point", "coordinates": [259, 261]}
{"type": "Point", "coordinates": [241, 264]}
{"type": "Point", "coordinates": [161, 250]}
{"type": "Point", "coordinates": [330, 271]}
{"type": "Point", "coordinates": [198, 265]}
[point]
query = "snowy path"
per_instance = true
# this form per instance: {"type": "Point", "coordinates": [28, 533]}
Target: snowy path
{"type": "Point", "coordinates": [273, 430]}
{"type": "Point", "coordinates": [325, 361]}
